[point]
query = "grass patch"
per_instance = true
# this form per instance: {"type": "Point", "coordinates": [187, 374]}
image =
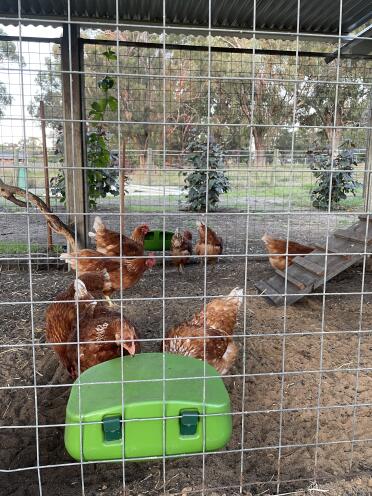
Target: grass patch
{"type": "Point", "coordinates": [17, 248]}
{"type": "Point", "coordinates": [149, 208]}
{"type": "Point", "coordinates": [21, 248]}
{"type": "Point", "coordinates": [353, 202]}
{"type": "Point", "coordinates": [274, 187]}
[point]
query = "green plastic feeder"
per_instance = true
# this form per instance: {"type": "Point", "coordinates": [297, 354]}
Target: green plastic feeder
{"type": "Point", "coordinates": [106, 435]}
{"type": "Point", "coordinates": [154, 240]}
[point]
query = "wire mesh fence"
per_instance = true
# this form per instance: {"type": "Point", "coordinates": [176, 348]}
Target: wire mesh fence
{"type": "Point", "coordinates": [164, 129]}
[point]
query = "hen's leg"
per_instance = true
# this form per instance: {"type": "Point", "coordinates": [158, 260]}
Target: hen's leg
{"type": "Point", "coordinates": [109, 301]}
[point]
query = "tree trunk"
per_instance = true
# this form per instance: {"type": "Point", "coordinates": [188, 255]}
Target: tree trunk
{"type": "Point", "coordinates": [333, 139]}
{"type": "Point", "coordinates": [142, 160]}
{"type": "Point", "coordinates": [259, 147]}
{"type": "Point", "coordinates": [142, 142]}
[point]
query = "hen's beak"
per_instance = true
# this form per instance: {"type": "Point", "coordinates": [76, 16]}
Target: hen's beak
{"type": "Point", "coordinates": [130, 347]}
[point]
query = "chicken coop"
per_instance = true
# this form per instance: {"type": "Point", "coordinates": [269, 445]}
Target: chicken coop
{"type": "Point", "coordinates": [189, 183]}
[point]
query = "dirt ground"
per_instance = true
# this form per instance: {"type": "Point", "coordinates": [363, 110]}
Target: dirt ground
{"type": "Point", "coordinates": [302, 225]}
{"type": "Point", "coordinates": [338, 351]}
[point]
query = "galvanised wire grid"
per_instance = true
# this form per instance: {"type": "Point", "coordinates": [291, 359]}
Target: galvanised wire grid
{"type": "Point", "coordinates": [299, 388]}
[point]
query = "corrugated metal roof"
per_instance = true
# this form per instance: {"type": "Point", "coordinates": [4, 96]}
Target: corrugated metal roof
{"type": "Point", "coordinates": [361, 45]}
{"type": "Point", "coordinates": [316, 16]}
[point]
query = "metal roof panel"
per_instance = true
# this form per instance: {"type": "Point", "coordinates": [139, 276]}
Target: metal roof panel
{"type": "Point", "coordinates": [316, 16]}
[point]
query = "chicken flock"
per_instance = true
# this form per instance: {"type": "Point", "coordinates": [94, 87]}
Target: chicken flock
{"type": "Point", "coordinates": [86, 328]}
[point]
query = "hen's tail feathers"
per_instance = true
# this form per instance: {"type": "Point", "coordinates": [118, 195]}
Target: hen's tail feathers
{"type": "Point", "coordinates": [92, 235]}
{"type": "Point", "coordinates": [107, 284]}
{"type": "Point", "coordinates": [236, 293]}
{"type": "Point", "coordinates": [228, 359]}
{"type": "Point", "coordinates": [80, 289]}
{"type": "Point", "coordinates": [199, 223]}
{"type": "Point", "coordinates": [98, 225]}
{"type": "Point", "coordinates": [83, 294]}
{"type": "Point", "coordinates": [266, 237]}
{"type": "Point", "coordinates": [66, 257]}
{"type": "Point", "coordinates": [69, 258]}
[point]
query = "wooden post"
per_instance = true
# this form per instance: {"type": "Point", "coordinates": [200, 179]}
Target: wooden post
{"type": "Point", "coordinates": [122, 189]}
{"type": "Point", "coordinates": [150, 165]}
{"type": "Point", "coordinates": [16, 165]}
{"type": "Point", "coordinates": [274, 165]}
{"type": "Point", "coordinates": [73, 132]}
{"type": "Point", "coordinates": [367, 183]}
{"type": "Point", "coordinates": [46, 172]}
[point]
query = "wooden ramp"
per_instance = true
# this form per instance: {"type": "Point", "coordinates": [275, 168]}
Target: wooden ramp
{"type": "Point", "coordinates": [307, 273]}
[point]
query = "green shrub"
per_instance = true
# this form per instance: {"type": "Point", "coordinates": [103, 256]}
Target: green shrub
{"type": "Point", "coordinates": [203, 156]}
{"type": "Point", "coordinates": [335, 178]}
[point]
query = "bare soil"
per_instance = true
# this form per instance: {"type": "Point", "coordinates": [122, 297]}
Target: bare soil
{"type": "Point", "coordinates": [299, 340]}
{"type": "Point", "coordinates": [22, 226]}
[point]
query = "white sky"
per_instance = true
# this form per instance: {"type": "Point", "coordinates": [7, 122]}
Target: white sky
{"type": "Point", "coordinates": [11, 126]}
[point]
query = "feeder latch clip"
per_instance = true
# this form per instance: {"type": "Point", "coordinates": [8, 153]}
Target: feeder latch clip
{"type": "Point", "coordinates": [189, 422]}
{"type": "Point", "coordinates": [112, 428]}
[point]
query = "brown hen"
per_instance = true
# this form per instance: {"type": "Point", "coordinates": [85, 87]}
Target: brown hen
{"type": "Point", "coordinates": [92, 261]}
{"type": "Point", "coordinates": [213, 245]}
{"type": "Point", "coordinates": [277, 249]}
{"type": "Point", "coordinates": [102, 334]}
{"type": "Point", "coordinates": [108, 242]}
{"type": "Point", "coordinates": [220, 350]}
{"type": "Point", "coordinates": [181, 248]}
{"type": "Point", "coordinates": [61, 315]}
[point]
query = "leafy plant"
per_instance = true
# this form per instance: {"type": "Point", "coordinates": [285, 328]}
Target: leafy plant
{"type": "Point", "coordinates": [334, 177]}
{"type": "Point", "coordinates": [102, 177]}
{"type": "Point", "coordinates": [99, 107]}
{"type": "Point", "coordinates": [202, 156]}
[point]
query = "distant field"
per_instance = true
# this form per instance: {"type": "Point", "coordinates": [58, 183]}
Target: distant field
{"type": "Point", "coordinates": [275, 186]}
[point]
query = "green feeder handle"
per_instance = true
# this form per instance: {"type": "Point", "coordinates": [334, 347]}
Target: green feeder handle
{"type": "Point", "coordinates": [154, 240]}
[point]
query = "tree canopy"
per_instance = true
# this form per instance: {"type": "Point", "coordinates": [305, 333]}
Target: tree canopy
{"type": "Point", "coordinates": [251, 96]}
{"type": "Point", "coordinates": [8, 53]}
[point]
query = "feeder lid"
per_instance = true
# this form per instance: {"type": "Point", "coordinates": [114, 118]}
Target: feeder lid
{"type": "Point", "coordinates": [150, 378]}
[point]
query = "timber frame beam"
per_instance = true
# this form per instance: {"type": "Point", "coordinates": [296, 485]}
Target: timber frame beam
{"type": "Point", "coordinates": [367, 183]}
{"type": "Point", "coordinates": [74, 135]}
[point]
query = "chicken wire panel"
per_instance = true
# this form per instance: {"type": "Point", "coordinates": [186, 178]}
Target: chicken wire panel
{"type": "Point", "coordinates": [230, 92]}
{"type": "Point", "coordinates": [299, 385]}
{"type": "Point", "coordinates": [266, 192]}
{"type": "Point", "coordinates": [22, 161]}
